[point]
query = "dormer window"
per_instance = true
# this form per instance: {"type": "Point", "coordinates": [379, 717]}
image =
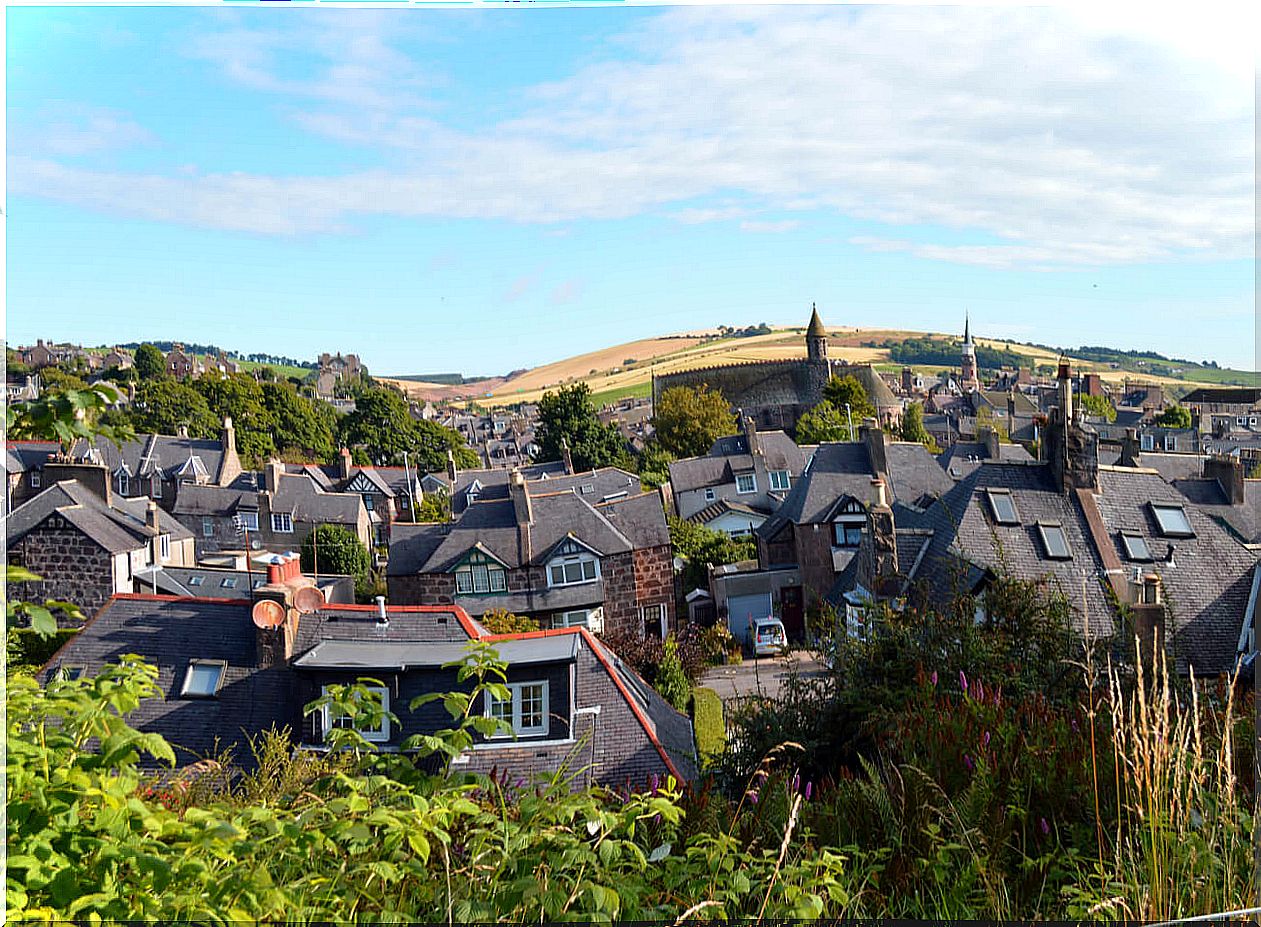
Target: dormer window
{"type": "Point", "coordinates": [1002, 507]}
{"type": "Point", "coordinates": [1054, 542]}
{"type": "Point", "coordinates": [572, 564]}
{"type": "Point", "coordinates": [1172, 520]}
{"type": "Point", "coordinates": [124, 482]}
{"type": "Point", "coordinates": [746, 483]}
{"type": "Point", "coordinates": [155, 486]}
{"type": "Point", "coordinates": [480, 574]}
{"type": "Point", "coordinates": [780, 480]}
{"type": "Point", "coordinates": [1135, 546]}
{"type": "Point", "coordinates": [1147, 442]}
{"type": "Point", "coordinates": [847, 527]}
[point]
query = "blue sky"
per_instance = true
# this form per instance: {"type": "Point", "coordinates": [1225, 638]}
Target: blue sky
{"type": "Point", "coordinates": [482, 190]}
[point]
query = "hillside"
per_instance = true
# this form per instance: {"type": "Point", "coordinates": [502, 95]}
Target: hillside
{"type": "Point", "coordinates": [627, 369]}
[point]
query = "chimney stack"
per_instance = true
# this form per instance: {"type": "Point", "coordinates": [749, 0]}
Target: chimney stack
{"type": "Point", "coordinates": [152, 519]}
{"type": "Point", "coordinates": [92, 475]}
{"type": "Point", "coordinates": [1065, 382]}
{"type": "Point", "coordinates": [452, 473]}
{"type": "Point", "coordinates": [271, 474]}
{"type": "Point", "coordinates": [751, 436]}
{"type": "Point", "coordinates": [567, 455]}
{"type": "Point", "coordinates": [1228, 471]}
{"type": "Point", "coordinates": [382, 618]}
{"type": "Point", "coordinates": [1148, 609]}
{"type": "Point", "coordinates": [181, 431]}
{"type": "Point", "coordinates": [989, 437]}
{"type": "Point", "coordinates": [873, 437]}
{"type": "Point", "coordinates": [878, 553]}
{"type": "Point", "coordinates": [344, 463]}
{"type": "Point", "coordinates": [1130, 449]}
{"type": "Point", "coordinates": [520, 497]}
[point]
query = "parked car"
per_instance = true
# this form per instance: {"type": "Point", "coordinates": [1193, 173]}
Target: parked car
{"type": "Point", "coordinates": [769, 637]}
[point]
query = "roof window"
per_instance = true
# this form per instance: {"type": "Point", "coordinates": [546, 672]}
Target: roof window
{"type": "Point", "coordinates": [1135, 546]}
{"type": "Point", "coordinates": [1054, 542]}
{"type": "Point", "coordinates": [1002, 506]}
{"type": "Point", "coordinates": [1172, 520]}
{"type": "Point", "coordinates": [203, 679]}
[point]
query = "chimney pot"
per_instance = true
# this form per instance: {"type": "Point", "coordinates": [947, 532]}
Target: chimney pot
{"type": "Point", "coordinates": [382, 617]}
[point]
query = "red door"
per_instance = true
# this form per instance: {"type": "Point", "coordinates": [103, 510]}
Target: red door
{"type": "Point", "coordinates": [792, 614]}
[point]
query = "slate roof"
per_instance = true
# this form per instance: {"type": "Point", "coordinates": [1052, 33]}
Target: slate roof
{"type": "Point", "coordinates": [117, 529]}
{"type": "Point", "coordinates": [724, 506]}
{"type": "Point", "coordinates": [1243, 520]}
{"type": "Point", "coordinates": [300, 497]}
{"type": "Point", "coordinates": [191, 499]}
{"type": "Point", "coordinates": [964, 533]}
{"type": "Point", "coordinates": [1208, 581]}
{"type": "Point", "coordinates": [163, 454]}
{"type": "Point", "coordinates": [20, 456]}
{"type": "Point", "coordinates": [169, 633]}
{"type": "Point", "coordinates": [1234, 394]}
{"type": "Point", "coordinates": [730, 455]}
{"type": "Point", "coordinates": [962, 457]}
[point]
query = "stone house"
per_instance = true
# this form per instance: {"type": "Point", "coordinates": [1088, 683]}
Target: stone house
{"type": "Point", "coordinates": [562, 551]}
{"type": "Point", "coordinates": [85, 543]}
{"type": "Point", "coordinates": [1102, 535]}
{"type": "Point", "coordinates": [24, 469]}
{"type": "Point", "coordinates": [180, 364]}
{"type": "Point", "coordinates": [118, 357]}
{"type": "Point", "coordinates": [1220, 410]}
{"type": "Point", "coordinates": [740, 482]}
{"type": "Point", "coordinates": [574, 707]}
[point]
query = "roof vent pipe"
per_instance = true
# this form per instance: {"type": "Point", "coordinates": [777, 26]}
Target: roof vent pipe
{"type": "Point", "coordinates": [382, 618]}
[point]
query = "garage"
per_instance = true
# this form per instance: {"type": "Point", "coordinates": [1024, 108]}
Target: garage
{"type": "Point", "coordinates": [741, 609]}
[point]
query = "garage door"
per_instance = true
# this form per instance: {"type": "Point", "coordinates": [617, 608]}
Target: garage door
{"type": "Point", "coordinates": [741, 609]}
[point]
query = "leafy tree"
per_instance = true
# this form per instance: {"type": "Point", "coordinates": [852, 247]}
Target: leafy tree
{"type": "Point", "coordinates": [14, 364]}
{"type": "Point", "coordinates": [703, 548]}
{"type": "Point", "coordinates": [163, 405]}
{"type": "Point", "coordinates": [240, 397]}
{"type": "Point", "coordinates": [431, 443]}
{"type": "Point", "coordinates": [382, 424]}
{"type": "Point", "coordinates": [66, 415]}
{"type": "Point", "coordinates": [568, 415]}
{"type": "Point", "coordinates": [825, 422]}
{"type": "Point", "coordinates": [654, 465]}
{"type": "Point", "coordinates": [1100, 406]}
{"type": "Point", "coordinates": [340, 552]}
{"type": "Point", "coordinates": [435, 506]}
{"type": "Point", "coordinates": [502, 621]}
{"type": "Point", "coordinates": [61, 379]}
{"type": "Point", "coordinates": [671, 680]}
{"type": "Point", "coordinates": [688, 421]}
{"type": "Point", "coordinates": [1175, 417]}
{"type": "Point", "coordinates": [913, 424]}
{"type": "Point", "coordinates": [302, 425]}
{"type": "Point", "coordinates": [121, 375]}
{"type": "Point", "coordinates": [150, 363]}
{"type": "Point", "coordinates": [847, 389]}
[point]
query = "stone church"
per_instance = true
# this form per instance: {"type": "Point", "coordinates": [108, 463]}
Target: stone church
{"type": "Point", "coordinates": [776, 393]}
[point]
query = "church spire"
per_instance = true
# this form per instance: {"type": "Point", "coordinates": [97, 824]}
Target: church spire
{"type": "Point", "coordinates": [967, 335]}
{"type": "Point", "coordinates": [816, 329]}
{"type": "Point", "coordinates": [816, 337]}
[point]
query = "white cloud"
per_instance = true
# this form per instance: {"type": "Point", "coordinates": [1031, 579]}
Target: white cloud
{"type": "Point", "coordinates": [783, 225]}
{"type": "Point", "coordinates": [1065, 142]}
{"type": "Point", "coordinates": [67, 130]}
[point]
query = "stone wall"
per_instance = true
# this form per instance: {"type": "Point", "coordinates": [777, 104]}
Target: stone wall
{"type": "Point", "coordinates": [654, 580]}
{"type": "Point", "coordinates": [814, 559]}
{"type": "Point", "coordinates": [75, 569]}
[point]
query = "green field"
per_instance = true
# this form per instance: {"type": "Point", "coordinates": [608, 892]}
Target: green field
{"type": "Point", "coordinates": [626, 392]}
{"type": "Point", "coordinates": [281, 370]}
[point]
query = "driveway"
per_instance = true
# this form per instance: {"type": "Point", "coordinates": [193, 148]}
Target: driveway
{"type": "Point", "coordinates": [759, 676]}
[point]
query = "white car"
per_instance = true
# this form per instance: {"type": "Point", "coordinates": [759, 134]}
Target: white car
{"type": "Point", "coordinates": [769, 637]}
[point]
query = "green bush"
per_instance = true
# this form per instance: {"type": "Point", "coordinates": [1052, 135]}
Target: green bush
{"type": "Point", "coordinates": [708, 723]}
{"type": "Point", "coordinates": [671, 679]}
{"type": "Point", "coordinates": [502, 621]}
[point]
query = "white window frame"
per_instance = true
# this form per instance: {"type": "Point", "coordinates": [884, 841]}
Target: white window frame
{"type": "Point", "coordinates": [124, 483]}
{"type": "Point", "coordinates": [164, 547]}
{"type": "Point", "coordinates": [367, 500]}
{"type": "Point", "coordinates": [1045, 530]}
{"type": "Point", "coordinates": [249, 520]}
{"type": "Point", "coordinates": [1146, 443]}
{"type": "Point", "coordinates": [466, 576]}
{"type": "Point", "coordinates": [710, 495]}
{"type": "Point", "coordinates": [196, 580]}
{"type": "Point", "coordinates": [752, 478]}
{"type": "Point", "coordinates": [36, 479]}
{"type": "Point", "coordinates": [281, 523]}
{"type": "Point", "coordinates": [660, 610]}
{"type": "Point", "coordinates": [207, 527]}
{"type": "Point", "coordinates": [568, 620]}
{"type": "Point", "coordinates": [993, 495]}
{"type": "Point", "coordinates": [514, 716]}
{"type": "Point", "coordinates": [844, 525]}
{"type": "Point", "coordinates": [228, 582]}
{"type": "Point", "coordinates": [1127, 542]}
{"type": "Point", "coordinates": [155, 486]}
{"type": "Point", "coordinates": [563, 564]}
{"type": "Point", "coordinates": [780, 479]}
{"type": "Point", "coordinates": [1171, 442]}
{"type": "Point", "coordinates": [376, 735]}
{"type": "Point", "coordinates": [1164, 529]}
{"type": "Point", "coordinates": [193, 666]}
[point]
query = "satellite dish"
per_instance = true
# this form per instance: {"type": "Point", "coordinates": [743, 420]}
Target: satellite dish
{"type": "Point", "coordinates": [268, 614]}
{"type": "Point", "coordinates": [308, 599]}
{"type": "Point", "coordinates": [255, 544]}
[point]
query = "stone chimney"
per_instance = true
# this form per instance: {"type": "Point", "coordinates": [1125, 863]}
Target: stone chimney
{"type": "Point", "coordinates": [751, 436]}
{"type": "Point", "coordinates": [878, 563]}
{"type": "Point", "coordinates": [1130, 449]}
{"type": "Point", "coordinates": [1071, 448]}
{"type": "Point", "coordinates": [989, 437]}
{"type": "Point", "coordinates": [1011, 408]}
{"type": "Point", "coordinates": [1228, 471]}
{"type": "Point", "coordinates": [94, 476]}
{"type": "Point", "coordinates": [874, 438]}
{"type": "Point", "coordinates": [520, 497]}
{"type": "Point", "coordinates": [344, 463]}
{"type": "Point", "coordinates": [1064, 382]}
{"type": "Point", "coordinates": [1148, 607]}
{"type": "Point", "coordinates": [271, 475]}
{"type": "Point", "coordinates": [452, 472]}
{"type": "Point", "coordinates": [230, 464]}
{"type": "Point", "coordinates": [153, 519]}
{"type": "Point", "coordinates": [566, 455]}
{"type": "Point", "coordinates": [908, 380]}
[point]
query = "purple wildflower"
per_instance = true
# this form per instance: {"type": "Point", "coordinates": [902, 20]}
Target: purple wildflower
{"type": "Point", "coordinates": [657, 819]}
{"type": "Point", "coordinates": [985, 741]}
{"type": "Point", "coordinates": [796, 782]}
{"type": "Point", "coordinates": [809, 789]}
{"type": "Point", "coordinates": [963, 682]}
{"type": "Point", "coordinates": [1074, 723]}
{"type": "Point", "coordinates": [933, 678]}
{"type": "Point", "coordinates": [519, 783]}
{"type": "Point", "coordinates": [1046, 828]}
{"type": "Point", "coordinates": [967, 761]}
{"type": "Point", "coordinates": [752, 796]}
{"type": "Point", "coordinates": [980, 691]}
{"type": "Point", "coordinates": [653, 782]}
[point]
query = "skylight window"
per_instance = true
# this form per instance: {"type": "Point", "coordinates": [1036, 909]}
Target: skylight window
{"type": "Point", "coordinates": [1173, 521]}
{"type": "Point", "coordinates": [1003, 507]}
{"type": "Point", "coordinates": [203, 679]}
{"type": "Point", "coordinates": [1053, 541]}
{"type": "Point", "coordinates": [196, 580]}
{"type": "Point", "coordinates": [1135, 546]}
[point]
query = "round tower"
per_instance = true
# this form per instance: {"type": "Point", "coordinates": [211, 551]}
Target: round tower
{"type": "Point", "coordinates": [816, 338]}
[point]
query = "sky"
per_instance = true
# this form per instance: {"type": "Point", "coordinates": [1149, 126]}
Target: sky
{"type": "Point", "coordinates": [482, 190]}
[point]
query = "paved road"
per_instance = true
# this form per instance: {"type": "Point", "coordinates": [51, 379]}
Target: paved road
{"type": "Point", "coordinates": [763, 675]}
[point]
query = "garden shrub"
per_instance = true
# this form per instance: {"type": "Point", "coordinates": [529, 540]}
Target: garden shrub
{"type": "Point", "coordinates": [708, 723]}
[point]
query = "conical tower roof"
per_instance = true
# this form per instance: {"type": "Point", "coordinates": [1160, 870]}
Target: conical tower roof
{"type": "Point", "coordinates": [967, 335]}
{"type": "Point", "coordinates": [816, 329]}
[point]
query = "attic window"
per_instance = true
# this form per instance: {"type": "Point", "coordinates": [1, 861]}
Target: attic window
{"type": "Point", "coordinates": [588, 488]}
{"type": "Point", "coordinates": [1135, 546]}
{"type": "Point", "coordinates": [1053, 541]}
{"type": "Point", "coordinates": [229, 582]}
{"type": "Point", "coordinates": [1173, 521]}
{"type": "Point", "coordinates": [1003, 506]}
{"type": "Point", "coordinates": [196, 580]}
{"type": "Point", "coordinates": [203, 679]}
